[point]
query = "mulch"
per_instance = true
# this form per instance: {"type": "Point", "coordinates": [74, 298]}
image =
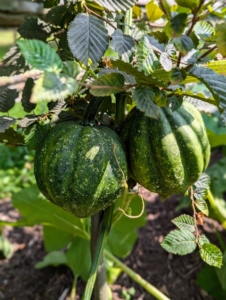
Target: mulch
{"type": "Point", "coordinates": [172, 274]}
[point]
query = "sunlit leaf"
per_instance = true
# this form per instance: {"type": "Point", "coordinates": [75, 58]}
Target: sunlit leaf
{"type": "Point", "coordinates": [211, 255]}
{"type": "Point", "coordinates": [192, 4]}
{"type": "Point", "coordinates": [200, 203]}
{"type": "Point", "coordinates": [204, 30]}
{"type": "Point", "coordinates": [185, 222]}
{"type": "Point", "coordinates": [123, 44]}
{"type": "Point", "coordinates": [116, 5]}
{"type": "Point", "coordinates": [153, 11]}
{"type": "Point", "coordinates": [107, 84]}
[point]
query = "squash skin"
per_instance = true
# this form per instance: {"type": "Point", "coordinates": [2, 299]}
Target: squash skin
{"type": "Point", "coordinates": [167, 155]}
{"type": "Point", "coordinates": [76, 167]}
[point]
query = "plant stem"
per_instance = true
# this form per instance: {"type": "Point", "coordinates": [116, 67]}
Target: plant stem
{"type": "Point", "coordinates": [73, 288]}
{"type": "Point", "coordinates": [120, 111]}
{"type": "Point", "coordinates": [216, 209]}
{"type": "Point", "coordinates": [100, 287]}
{"type": "Point", "coordinates": [104, 230]}
{"type": "Point", "coordinates": [146, 285]}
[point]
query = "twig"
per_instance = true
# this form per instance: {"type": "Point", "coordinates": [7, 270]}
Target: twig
{"type": "Point", "coordinates": [7, 81]}
{"type": "Point", "coordinates": [194, 215]}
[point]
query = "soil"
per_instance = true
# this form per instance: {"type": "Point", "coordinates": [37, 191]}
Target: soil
{"type": "Point", "coordinates": [172, 274]}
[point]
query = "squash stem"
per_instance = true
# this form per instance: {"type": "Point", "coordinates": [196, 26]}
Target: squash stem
{"type": "Point", "coordinates": [104, 230]}
{"type": "Point", "coordinates": [120, 111]}
{"type": "Point", "coordinates": [91, 111]}
{"type": "Point", "coordinates": [142, 282]}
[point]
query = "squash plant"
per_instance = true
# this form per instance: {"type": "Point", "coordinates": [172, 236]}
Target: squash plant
{"type": "Point", "coordinates": [114, 78]}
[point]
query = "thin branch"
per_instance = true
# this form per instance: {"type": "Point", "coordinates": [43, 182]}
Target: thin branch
{"type": "Point", "coordinates": [194, 215]}
{"type": "Point", "coordinates": [89, 11]}
{"type": "Point", "coordinates": [7, 81]}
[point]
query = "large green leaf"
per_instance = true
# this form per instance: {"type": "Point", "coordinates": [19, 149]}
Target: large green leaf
{"type": "Point", "coordinates": [124, 233]}
{"type": "Point", "coordinates": [40, 55]}
{"type": "Point", "coordinates": [144, 98]}
{"type": "Point", "coordinates": [211, 255]}
{"type": "Point", "coordinates": [221, 38]}
{"type": "Point", "coordinates": [52, 87]}
{"type": "Point", "coordinates": [147, 61]}
{"type": "Point", "coordinates": [87, 38]}
{"type": "Point", "coordinates": [185, 222]}
{"type": "Point", "coordinates": [107, 84]}
{"type": "Point", "coordinates": [184, 44]}
{"type": "Point", "coordinates": [7, 99]}
{"type": "Point", "coordinates": [177, 24]}
{"type": "Point", "coordinates": [37, 210]}
{"type": "Point", "coordinates": [123, 44]}
{"type": "Point", "coordinates": [116, 5]}
{"type": "Point", "coordinates": [179, 242]}
{"type": "Point", "coordinates": [192, 4]}
{"type": "Point", "coordinates": [32, 27]}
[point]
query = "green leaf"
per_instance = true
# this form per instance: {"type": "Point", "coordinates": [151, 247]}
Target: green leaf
{"type": "Point", "coordinates": [177, 24]}
{"type": "Point", "coordinates": [209, 282]}
{"type": "Point", "coordinates": [71, 68]}
{"type": "Point", "coordinates": [153, 11]}
{"type": "Point", "coordinates": [34, 134]}
{"type": "Point", "coordinates": [192, 4]}
{"type": "Point", "coordinates": [175, 102]}
{"type": "Point", "coordinates": [203, 240]}
{"type": "Point", "coordinates": [216, 133]}
{"type": "Point", "coordinates": [211, 255]}
{"type": "Point", "coordinates": [184, 44]}
{"type": "Point", "coordinates": [179, 242]}
{"type": "Point", "coordinates": [87, 38]}
{"type": "Point", "coordinates": [144, 98]}
{"type": "Point", "coordinates": [52, 87]}
{"type": "Point", "coordinates": [129, 79]}
{"type": "Point", "coordinates": [155, 45]}
{"type": "Point", "coordinates": [221, 274]}
{"type": "Point", "coordinates": [5, 123]}
{"type": "Point", "coordinates": [215, 83]}
{"type": "Point", "coordinates": [123, 235]}
{"type": "Point", "coordinates": [123, 44]}
{"type": "Point", "coordinates": [55, 238]}
{"type": "Point", "coordinates": [204, 31]}
{"type": "Point", "coordinates": [12, 137]}
{"type": "Point", "coordinates": [40, 55]}
{"type": "Point", "coordinates": [13, 63]}
{"type": "Point", "coordinates": [107, 84]}
{"type": "Point", "coordinates": [116, 5]}
{"type": "Point", "coordinates": [221, 38]}
{"type": "Point", "coordinates": [6, 249]}
{"type": "Point", "coordinates": [51, 3]}
{"type": "Point", "coordinates": [58, 15]}
{"type": "Point", "coordinates": [146, 60]}
{"type": "Point", "coordinates": [32, 27]}
{"type": "Point", "coordinates": [160, 36]}
{"type": "Point", "coordinates": [200, 203]}
{"type": "Point", "coordinates": [203, 181]}
{"type": "Point", "coordinates": [26, 96]}
{"type": "Point", "coordinates": [177, 76]}
{"type": "Point", "coordinates": [166, 61]}
{"type": "Point", "coordinates": [7, 99]}
{"type": "Point", "coordinates": [37, 210]}
{"type": "Point", "coordinates": [55, 258]}
{"type": "Point", "coordinates": [185, 222]}
{"type": "Point", "coordinates": [199, 96]}
{"type": "Point", "coordinates": [79, 258]}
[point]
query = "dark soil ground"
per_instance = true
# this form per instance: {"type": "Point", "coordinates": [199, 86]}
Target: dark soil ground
{"type": "Point", "coordinates": [173, 275]}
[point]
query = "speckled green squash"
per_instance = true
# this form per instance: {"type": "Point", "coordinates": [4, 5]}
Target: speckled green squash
{"type": "Point", "coordinates": [169, 154]}
{"type": "Point", "coordinates": [77, 167]}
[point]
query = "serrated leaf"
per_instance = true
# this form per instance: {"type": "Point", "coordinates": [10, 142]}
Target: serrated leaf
{"type": "Point", "coordinates": [11, 137]}
{"type": "Point", "coordinates": [57, 106]}
{"type": "Point", "coordinates": [7, 99]}
{"type": "Point", "coordinates": [153, 11]}
{"type": "Point", "coordinates": [177, 24]}
{"type": "Point", "coordinates": [26, 96]}
{"type": "Point", "coordinates": [198, 96]}
{"type": "Point", "coordinates": [34, 134]}
{"type": "Point", "coordinates": [215, 83]}
{"type": "Point", "coordinates": [27, 121]}
{"type": "Point", "coordinates": [32, 27]}
{"type": "Point", "coordinates": [146, 60]}
{"type": "Point", "coordinates": [40, 55]}
{"type": "Point", "coordinates": [179, 242]}
{"type": "Point", "coordinates": [144, 98]}
{"type": "Point", "coordinates": [53, 87]}
{"type": "Point", "coordinates": [204, 31]}
{"type": "Point", "coordinates": [5, 123]}
{"type": "Point", "coordinates": [185, 222]}
{"type": "Point", "coordinates": [13, 63]}
{"type": "Point", "coordinates": [175, 102]}
{"type": "Point", "coordinates": [166, 62]}
{"type": "Point", "coordinates": [123, 44]}
{"type": "Point", "coordinates": [129, 79]}
{"type": "Point", "coordinates": [71, 68]}
{"type": "Point", "coordinates": [116, 5]}
{"type": "Point", "coordinates": [155, 44]}
{"type": "Point", "coordinates": [200, 203]}
{"type": "Point", "coordinates": [221, 38]}
{"type": "Point", "coordinates": [192, 4]}
{"type": "Point", "coordinates": [6, 248]}
{"type": "Point", "coordinates": [184, 44]}
{"type": "Point", "coordinates": [203, 240]}
{"type": "Point", "coordinates": [171, 50]}
{"type": "Point", "coordinates": [211, 255]}
{"type": "Point", "coordinates": [203, 181]}
{"type": "Point", "coordinates": [154, 78]}
{"type": "Point", "coordinates": [87, 38]}
{"type": "Point", "coordinates": [107, 84]}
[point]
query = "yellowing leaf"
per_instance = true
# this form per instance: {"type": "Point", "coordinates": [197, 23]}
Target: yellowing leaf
{"type": "Point", "coordinates": [137, 11]}
{"type": "Point", "coordinates": [153, 11]}
{"type": "Point", "coordinates": [221, 38]}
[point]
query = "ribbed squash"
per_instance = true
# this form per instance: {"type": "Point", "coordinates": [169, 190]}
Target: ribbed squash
{"type": "Point", "coordinates": [80, 168]}
{"type": "Point", "coordinates": [168, 154]}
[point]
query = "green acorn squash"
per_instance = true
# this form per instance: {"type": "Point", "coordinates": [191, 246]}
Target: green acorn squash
{"type": "Point", "coordinates": [81, 168]}
{"type": "Point", "coordinates": [168, 154]}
